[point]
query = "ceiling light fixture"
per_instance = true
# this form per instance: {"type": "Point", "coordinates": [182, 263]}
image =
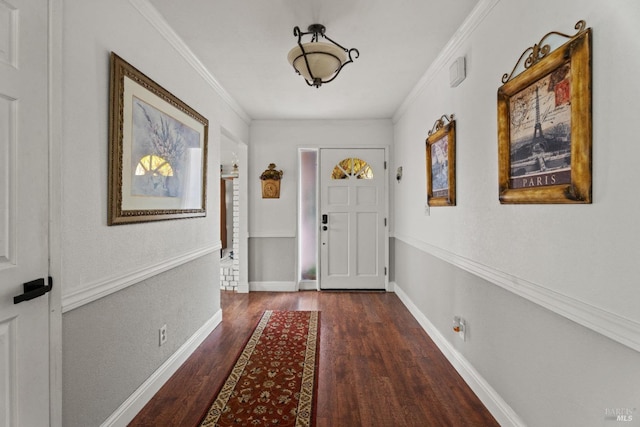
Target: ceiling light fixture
{"type": "Point", "coordinates": [319, 62]}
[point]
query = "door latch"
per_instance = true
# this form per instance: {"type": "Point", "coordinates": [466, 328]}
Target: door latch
{"type": "Point", "coordinates": [33, 289]}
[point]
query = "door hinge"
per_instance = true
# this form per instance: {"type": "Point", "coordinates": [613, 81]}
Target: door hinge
{"type": "Point", "coordinates": [385, 222]}
{"type": "Point", "coordinates": [385, 165]}
{"type": "Point", "coordinates": [385, 271]}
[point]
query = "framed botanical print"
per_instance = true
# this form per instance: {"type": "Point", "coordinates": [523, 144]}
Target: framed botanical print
{"type": "Point", "coordinates": [441, 163]}
{"type": "Point", "coordinates": [544, 124]}
{"type": "Point", "coordinates": [157, 151]}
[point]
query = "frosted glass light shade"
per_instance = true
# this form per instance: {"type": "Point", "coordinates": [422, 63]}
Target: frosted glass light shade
{"type": "Point", "coordinates": [325, 60]}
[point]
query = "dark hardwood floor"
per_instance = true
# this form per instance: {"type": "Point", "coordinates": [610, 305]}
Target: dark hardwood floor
{"type": "Point", "coordinates": [377, 366]}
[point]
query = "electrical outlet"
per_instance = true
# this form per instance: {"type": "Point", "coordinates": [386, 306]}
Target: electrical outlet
{"type": "Point", "coordinates": [163, 334]}
{"type": "Point", "coordinates": [460, 326]}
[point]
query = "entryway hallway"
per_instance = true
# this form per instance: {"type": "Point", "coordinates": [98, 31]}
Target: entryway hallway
{"type": "Point", "coordinates": [377, 368]}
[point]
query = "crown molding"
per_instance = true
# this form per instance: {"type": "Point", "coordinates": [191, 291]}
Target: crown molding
{"type": "Point", "coordinates": [477, 15]}
{"type": "Point", "coordinates": [159, 23]}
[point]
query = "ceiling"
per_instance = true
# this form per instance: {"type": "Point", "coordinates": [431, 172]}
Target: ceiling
{"type": "Point", "coordinates": [244, 45]}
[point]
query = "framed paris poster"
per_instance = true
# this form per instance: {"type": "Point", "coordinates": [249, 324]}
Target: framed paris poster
{"type": "Point", "coordinates": [544, 123]}
{"type": "Point", "coordinates": [441, 163]}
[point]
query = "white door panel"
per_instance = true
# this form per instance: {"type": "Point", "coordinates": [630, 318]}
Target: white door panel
{"type": "Point", "coordinates": [367, 239]}
{"type": "Point", "coordinates": [352, 196]}
{"type": "Point", "coordinates": [338, 239]}
{"type": "Point", "coordinates": [24, 327]}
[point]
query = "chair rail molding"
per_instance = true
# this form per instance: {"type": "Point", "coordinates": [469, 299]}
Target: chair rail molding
{"type": "Point", "coordinates": [275, 234]}
{"type": "Point", "coordinates": [111, 285]}
{"type": "Point", "coordinates": [620, 329]}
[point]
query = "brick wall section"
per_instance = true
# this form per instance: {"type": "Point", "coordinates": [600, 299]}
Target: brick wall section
{"type": "Point", "coordinates": [230, 268]}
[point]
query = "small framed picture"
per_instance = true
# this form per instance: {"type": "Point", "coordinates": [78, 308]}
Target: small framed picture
{"type": "Point", "coordinates": [441, 163]}
{"type": "Point", "coordinates": [544, 124]}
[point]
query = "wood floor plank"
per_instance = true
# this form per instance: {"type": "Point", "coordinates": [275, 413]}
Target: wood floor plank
{"type": "Point", "coordinates": [377, 367]}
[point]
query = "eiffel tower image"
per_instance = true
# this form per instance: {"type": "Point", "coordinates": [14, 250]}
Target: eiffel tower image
{"type": "Point", "coordinates": [542, 153]}
{"type": "Point", "coordinates": [537, 131]}
{"type": "Point", "coordinates": [539, 143]}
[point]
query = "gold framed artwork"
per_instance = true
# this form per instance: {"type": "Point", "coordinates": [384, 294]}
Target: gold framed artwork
{"type": "Point", "coordinates": [157, 151]}
{"type": "Point", "coordinates": [441, 162]}
{"type": "Point", "coordinates": [544, 123]}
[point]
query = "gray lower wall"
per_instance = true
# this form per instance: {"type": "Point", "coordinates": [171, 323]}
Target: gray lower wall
{"type": "Point", "coordinates": [550, 370]}
{"type": "Point", "coordinates": [272, 259]}
{"type": "Point", "coordinates": [111, 345]}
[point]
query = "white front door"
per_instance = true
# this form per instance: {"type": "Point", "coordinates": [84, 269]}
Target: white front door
{"type": "Point", "coordinates": [352, 219]}
{"type": "Point", "coordinates": [24, 212]}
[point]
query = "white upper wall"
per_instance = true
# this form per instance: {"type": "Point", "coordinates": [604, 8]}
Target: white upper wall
{"type": "Point", "coordinates": [587, 254]}
{"type": "Point", "coordinates": [93, 254]}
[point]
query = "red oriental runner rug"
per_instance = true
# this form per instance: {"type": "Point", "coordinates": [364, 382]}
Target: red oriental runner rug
{"type": "Point", "coordinates": [274, 379]}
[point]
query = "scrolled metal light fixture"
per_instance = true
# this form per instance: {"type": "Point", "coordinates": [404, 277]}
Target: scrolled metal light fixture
{"type": "Point", "coordinates": [319, 62]}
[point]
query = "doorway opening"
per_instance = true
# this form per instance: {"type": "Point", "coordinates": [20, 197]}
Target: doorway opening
{"type": "Point", "coordinates": [233, 214]}
{"type": "Point", "coordinates": [229, 227]}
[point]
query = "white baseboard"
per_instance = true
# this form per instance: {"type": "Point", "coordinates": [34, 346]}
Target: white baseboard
{"type": "Point", "coordinates": [130, 408]}
{"type": "Point", "coordinates": [273, 286]}
{"type": "Point", "coordinates": [243, 288]}
{"type": "Point", "coordinates": [308, 285]}
{"type": "Point", "coordinates": [500, 410]}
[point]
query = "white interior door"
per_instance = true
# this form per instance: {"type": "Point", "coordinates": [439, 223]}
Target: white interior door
{"type": "Point", "coordinates": [24, 207]}
{"type": "Point", "coordinates": [352, 219]}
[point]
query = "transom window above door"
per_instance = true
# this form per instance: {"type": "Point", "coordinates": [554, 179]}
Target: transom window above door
{"type": "Point", "coordinates": [352, 167]}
